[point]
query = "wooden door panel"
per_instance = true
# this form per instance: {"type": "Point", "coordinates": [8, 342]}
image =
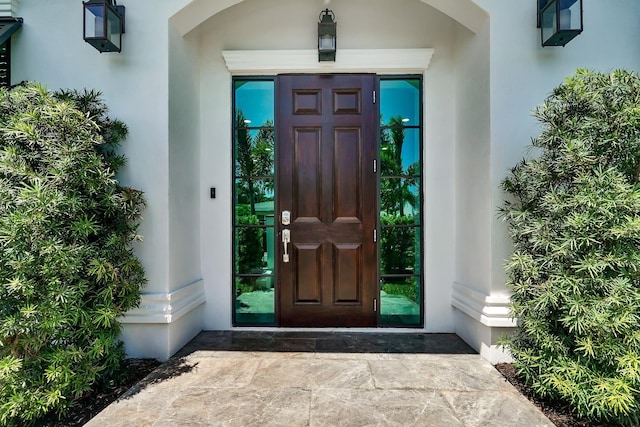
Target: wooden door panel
{"type": "Point", "coordinates": [326, 135]}
{"type": "Point", "coordinates": [308, 273]}
{"type": "Point", "coordinates": [347, 101]}
{"type": "Point", "coordinates": [346, 184]}
{"type": "Point", "coordinates": [307, 173]}
{"type": "Point", "coordinates": [347, 281]}
{"type": "Point", "coordinates": [307, 101]}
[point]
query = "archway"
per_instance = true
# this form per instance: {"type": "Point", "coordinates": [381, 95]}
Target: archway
{"type": "Point", "coordinates": [466, 12]}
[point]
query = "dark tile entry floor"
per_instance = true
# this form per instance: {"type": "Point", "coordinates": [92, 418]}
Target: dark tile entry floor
{"type": "Point", "coordinates": [327, 342]}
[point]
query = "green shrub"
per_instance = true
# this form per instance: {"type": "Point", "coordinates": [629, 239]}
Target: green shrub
{"type": "Point", "coordinates": [66, 268]}
{"type": "Point", "coordinates": [574, 219]}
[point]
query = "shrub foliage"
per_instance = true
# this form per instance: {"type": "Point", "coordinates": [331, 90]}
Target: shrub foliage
{"type": "Point", "coordinates": [574, 219]}
{"type": "Point", "coordinates": [66, 267]}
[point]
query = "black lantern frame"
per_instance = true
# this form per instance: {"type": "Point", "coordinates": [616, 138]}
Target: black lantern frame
{"type": "Point", "coordinates": [103, 24]}
{"type": "Point", "coordinates": [327, 36]}
{"type": "Point", "coordinates": [560, 21]}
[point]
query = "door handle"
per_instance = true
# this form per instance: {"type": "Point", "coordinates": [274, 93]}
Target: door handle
{"type": "Point", "coordinates": [286, 238]}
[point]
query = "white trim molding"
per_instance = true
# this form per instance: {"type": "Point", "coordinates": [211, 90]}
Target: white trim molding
{"type": "Point", "coordinates": [8, 8]}
{"type": "Point", "coordinates": [383, 61]}
{"type": "Point", "coordinates": [490, 310]}
{"type": "Point", "coordinates": [166, 307]}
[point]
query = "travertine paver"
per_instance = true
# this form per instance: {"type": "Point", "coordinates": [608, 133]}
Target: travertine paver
{"type": "Point", "coordinates": [381, 407]}
{"type": "Point", "coordinates": [313, 374]}
{"type": "Point", "coordinates": [437, 372]}
{"type": "Point", "coordinates": [499, 409]}
{"type": "Point", "coordinates": [220, 388]}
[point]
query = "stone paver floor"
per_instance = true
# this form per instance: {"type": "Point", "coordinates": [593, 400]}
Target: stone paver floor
{"type": "Point", "coordinates": [323, 379]}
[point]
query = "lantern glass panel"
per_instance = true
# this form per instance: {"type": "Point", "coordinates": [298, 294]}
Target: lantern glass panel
{"type": "Point", "coordinates": [570, 15]}
{"type": "Point", "coordinates": [113, 28]}
{"type": "Point", "coordinates": [94, 23]}
{"type": "Point", "coordinates": [549, 20]}
{"type": "Point", "coordinates": [327, 43]}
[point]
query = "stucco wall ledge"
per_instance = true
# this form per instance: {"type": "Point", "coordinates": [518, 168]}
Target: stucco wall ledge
{"type": "Point", "coordinates": [166, 307]}
{"type": "Point", "coordinates": [490, 310]}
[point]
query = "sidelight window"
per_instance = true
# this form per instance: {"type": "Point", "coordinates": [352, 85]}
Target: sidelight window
{"type": "Point", "coordinates": [400, 202]}
{"type": "Point", "coordinates": [253, 237]}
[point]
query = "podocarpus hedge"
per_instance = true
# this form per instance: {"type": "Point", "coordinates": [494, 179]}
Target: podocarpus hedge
{"type": "Point", "coordinates": [67, 270]}
{"type": "Point", "coordinates": [574, 219]}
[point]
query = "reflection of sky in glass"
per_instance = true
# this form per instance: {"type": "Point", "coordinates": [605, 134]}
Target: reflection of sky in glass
{"type": "Point", "coordinates": [254, 136]}
{"type": "Point", "coordinates": [256, 100]}
{"type": "Point", "coordinates": [410, 148]}
{"type": "Point", "coordinates": [400, 98]}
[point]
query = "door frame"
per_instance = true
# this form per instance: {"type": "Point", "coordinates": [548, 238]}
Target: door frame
{"type": "Point", "coordinates": [270, 63]}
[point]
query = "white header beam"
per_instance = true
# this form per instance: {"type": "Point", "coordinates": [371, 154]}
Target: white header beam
{"type": "Point", "coordinates": [380, 61]}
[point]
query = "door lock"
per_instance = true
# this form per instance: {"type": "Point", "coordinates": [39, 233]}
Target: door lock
{"type": "Point", "coordinates": [286, 217]}
{"type": "Point", "coordinates": [286, 238]}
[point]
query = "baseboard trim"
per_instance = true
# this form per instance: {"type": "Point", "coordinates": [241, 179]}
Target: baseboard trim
{"type": "Point", "coordinates": [166, 307]}
{"type": "Point", "coordinates": [490, 310]}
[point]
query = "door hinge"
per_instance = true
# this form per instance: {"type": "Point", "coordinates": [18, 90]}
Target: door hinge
{"type": "Point", "coordinates": [374, 96]}
{"type": "Point", "coordinates": [375, 236]}
{"type": "Point", "coordinates": [375, 305]}
{"type": "Point", "coordinates": [375, 166]}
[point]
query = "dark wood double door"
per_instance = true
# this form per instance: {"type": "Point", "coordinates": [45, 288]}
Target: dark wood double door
{"type": "Point", "coordinates": [327, 268]}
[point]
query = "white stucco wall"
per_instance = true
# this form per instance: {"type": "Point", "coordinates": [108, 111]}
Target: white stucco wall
{"type": "Point", "coordinates": [521, 74]}
{"type": "Point", "coordinates": [135, 85]}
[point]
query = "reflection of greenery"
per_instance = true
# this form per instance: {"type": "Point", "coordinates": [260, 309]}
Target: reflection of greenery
{"type": "Point", "coordinates": [244, 285]}
{"type": "Point", "coordinates": [395, 193]}
{"type": "Point", "coordinates": [397, 249]}
{"type": "Point", "coordinates": [397, 246]}
{"type": "Point", "coordinates": [406, 289]}
{"type": "Point", "coordinates": [249, 243]}
{"type": "Point", "coordinates": [254, 157]}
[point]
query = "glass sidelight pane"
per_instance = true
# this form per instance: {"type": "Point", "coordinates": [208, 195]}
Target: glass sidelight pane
{"type": "Point", "coordinates": [400, 301]}
{"type": "Point", "coordinates": [254, 250]}
{"type": "Point", "coordinates": [401, 197]}
{"type": "Point", "coordinates": [400, 151]}
{"type": "Point", "coordinates": [400, 100]}
{"type": "Point", "coordinates": [400, 186]}
{"type": "Point", "coordinates": [253, 197]}
{"type": "Point", "coordinates": [254, 152]}
{"type": "Point", "coordinates": [254, 200]}
{"type": "Point", "coordinates": [399, 248]}
{"type": "Point", "coordinates": [254, 299]}
{"type": "Point", "coordinates": [254, 102]}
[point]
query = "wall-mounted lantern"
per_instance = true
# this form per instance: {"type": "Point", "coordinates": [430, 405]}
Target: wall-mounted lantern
{"type": "Point", "coordinates": [103, 25]}
{"type": "Point", "coordinates": [327, 36]}
{"type": "Point", "coordinates": [559, 21]}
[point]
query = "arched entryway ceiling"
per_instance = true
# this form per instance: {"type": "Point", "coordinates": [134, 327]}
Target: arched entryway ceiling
{"type": "Point", "coordinates": [466, 12]}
